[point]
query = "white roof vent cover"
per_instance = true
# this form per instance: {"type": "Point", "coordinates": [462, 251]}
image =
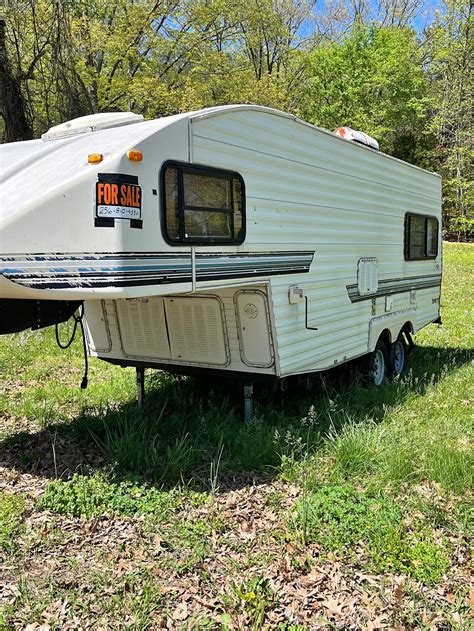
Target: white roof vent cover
{"type": "Point", "coordinates": [356, 136]}
{"type": "Point", "coordinates": [94, 122]}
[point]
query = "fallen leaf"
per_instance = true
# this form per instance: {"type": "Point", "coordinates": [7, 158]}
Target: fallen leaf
{"type": "Point", "coordinates": [180, 612]}
{"type": "Point", "coordinates": [399, 592]}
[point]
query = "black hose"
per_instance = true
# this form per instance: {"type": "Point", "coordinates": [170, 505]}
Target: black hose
{"type": "Point", "coordinates": [86, 360]}
{"type": "Point", "coordinates": [78, 320]}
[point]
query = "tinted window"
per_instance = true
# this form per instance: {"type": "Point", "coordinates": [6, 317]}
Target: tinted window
{"type": "Point", "coordinates": [202, 223]}
{"type": "Point", "coordinates": [203, 205]}
{"type": "Point", "coordinates": [421, 237]}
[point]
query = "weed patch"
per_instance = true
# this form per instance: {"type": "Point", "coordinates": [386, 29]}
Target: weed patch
{"type": "Point", "coordinates": [356, 524]}
{"type": "Point", "coordinates": [88, 496]}
{"type": "Point", "coordinates": [189, 543]}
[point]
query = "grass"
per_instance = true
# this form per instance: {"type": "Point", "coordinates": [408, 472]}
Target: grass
{"type": "Point", "coordinates": [12, 508]}
{"type": "Point", "coordinates": [384, 476]}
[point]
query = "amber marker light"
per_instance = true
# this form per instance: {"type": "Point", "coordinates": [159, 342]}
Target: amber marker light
{"type": "Point", "coordinates": [135, 155]}
{"type": "Point", "coordinates": [94, 158]}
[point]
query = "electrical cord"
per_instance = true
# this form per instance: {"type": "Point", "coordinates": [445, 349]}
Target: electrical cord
{"type": "Point", "coordinates": [78, 320]}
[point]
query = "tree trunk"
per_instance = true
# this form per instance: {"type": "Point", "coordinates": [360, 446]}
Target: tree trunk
{"type": "Point", "coordinates": [12, 103]}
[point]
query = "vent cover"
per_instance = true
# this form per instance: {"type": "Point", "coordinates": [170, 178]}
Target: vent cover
{"type": "Point", "coordinates": [367, 276]}
{"type": "Point", "coordinates": [143, 328]}
{"type": "Point", "coordinates": [196, 330]}
{"type": "Point", "coordinates": [93, 122]}
{"type": "Point", "coordinates": [357, 136]}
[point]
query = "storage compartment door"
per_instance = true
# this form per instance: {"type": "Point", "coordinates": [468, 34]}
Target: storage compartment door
{"type": "Point", "coordinates": [196, 329]}
{"type": "Point", "coordinates": [97, 326]}
{"type": "Point", "coordinates": [142, 328]}
{"type": "Point", "coordinates": [253, 322]}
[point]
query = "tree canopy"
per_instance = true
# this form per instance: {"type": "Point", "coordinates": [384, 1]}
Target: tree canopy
{"type": "Point", "coordinates": [390, 68]}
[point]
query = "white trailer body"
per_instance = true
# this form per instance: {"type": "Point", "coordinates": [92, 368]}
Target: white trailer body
{"type": "Point", "coordinates": [309, 249]}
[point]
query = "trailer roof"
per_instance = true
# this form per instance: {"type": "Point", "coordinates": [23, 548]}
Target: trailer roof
{"type": "Point", "coordinates": [117, 137]}
{"type": "Point", "coordinates": [222, 109]}
{"type": "Point", "coordinates": [22, 161]}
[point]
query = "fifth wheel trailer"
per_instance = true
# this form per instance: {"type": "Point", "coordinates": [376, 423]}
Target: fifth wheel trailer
{"type": "Point", "coordinates": [236, 240]}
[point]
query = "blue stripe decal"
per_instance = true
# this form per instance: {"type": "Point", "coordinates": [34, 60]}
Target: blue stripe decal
{"type": "Point", "coordinates": [150, 268]}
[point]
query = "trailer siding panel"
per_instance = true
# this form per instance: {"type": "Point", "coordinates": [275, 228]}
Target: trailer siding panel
{"type": "Point", "coordinates": [305, 190]}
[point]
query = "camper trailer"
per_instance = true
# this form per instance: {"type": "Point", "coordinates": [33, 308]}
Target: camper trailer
{"type": "Point", "coordinates": [235, 240]}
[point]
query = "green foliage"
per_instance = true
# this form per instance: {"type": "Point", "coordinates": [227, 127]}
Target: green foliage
{"type": "Point", "coordinates": [12, 507]}
{"type": "Point", "coordinates": [87, 496]}
{"type": "Point", "coordinates": [190, 544]}
{"type": "Point", "coordinates": [76, 58]}
{"type": "Point", "coordinates": [343, 519]}
{"type": "Point", "coordinates": [450, 47]}
{"type": "Point", "coordinates": [373, 80]}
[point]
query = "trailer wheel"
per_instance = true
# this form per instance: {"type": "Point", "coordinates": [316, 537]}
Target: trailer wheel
{"type": "Point", "coordinates": [377, 365]}
{"type": "Point", "coordinates": [398, 356]}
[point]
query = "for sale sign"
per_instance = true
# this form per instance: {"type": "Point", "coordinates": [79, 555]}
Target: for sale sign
{"type": "Point", "coordinates": [118, 196]}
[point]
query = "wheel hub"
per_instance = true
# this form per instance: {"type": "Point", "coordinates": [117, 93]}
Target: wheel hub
{"type": "Point", "coordinates": [378, 367]}
{"type": "Point", "coordinates": [398, 357]}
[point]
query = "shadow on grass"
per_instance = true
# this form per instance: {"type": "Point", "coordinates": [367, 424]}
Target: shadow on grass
{"type": "Point", "coordinates": [189, 434]}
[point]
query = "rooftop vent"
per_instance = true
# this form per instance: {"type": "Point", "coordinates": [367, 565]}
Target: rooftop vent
{"type": "Point", "coordinates": [94, 122]}
{"type": "Point", "coordinates": [357, 136]}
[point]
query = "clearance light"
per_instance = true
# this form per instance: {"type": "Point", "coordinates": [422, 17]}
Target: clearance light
{"type": "Point", "coordinates": [94, 158]}
{"type": "Point", "coordinates": [135, 155]}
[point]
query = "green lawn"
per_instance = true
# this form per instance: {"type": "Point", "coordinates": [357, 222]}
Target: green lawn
{"type": "Point", "coordinates": [337, 508]}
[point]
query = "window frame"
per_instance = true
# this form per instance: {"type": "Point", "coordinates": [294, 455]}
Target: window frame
{"type": "Point", "coordinates": [199, 169]}
{"type": "Point", "coordinates": [426, 256]}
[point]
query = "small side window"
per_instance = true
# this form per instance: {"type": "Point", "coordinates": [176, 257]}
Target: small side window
{"type": "Point", "coordinates": [431, 237]}
{"type": "Point", "coordinates": [421, 237]}
{"type": "Point", "coordinates": [202, 205]}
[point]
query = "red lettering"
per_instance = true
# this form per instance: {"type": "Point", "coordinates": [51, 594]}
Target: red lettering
{"type": "Point", "coordinates": [100, 192]}
{"type": "Point", "coordinates": [123, 195]}
{"type": "Point", "coordinates": [114, 194]}
{"type": "Point", "coordinates": [107, 194]}
{"type": "Point", "coordinates": [118, 195]}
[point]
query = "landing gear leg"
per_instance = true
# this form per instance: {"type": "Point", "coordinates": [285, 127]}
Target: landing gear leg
{"type": "Point", "coordinates": [248, 402]}
{"type": "Point", "coordinates": [140, 386]}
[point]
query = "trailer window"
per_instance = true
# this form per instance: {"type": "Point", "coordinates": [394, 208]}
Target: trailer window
{"type": "Point", "coordinates": [421, 237]}
{"type": "Point", "coordinates": [202, 205]}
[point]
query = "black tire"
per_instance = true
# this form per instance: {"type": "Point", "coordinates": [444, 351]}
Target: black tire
{"type": "Point", "coordinates": [376, 367]}
{"type": "Point", "coordinates": [398, 358]}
